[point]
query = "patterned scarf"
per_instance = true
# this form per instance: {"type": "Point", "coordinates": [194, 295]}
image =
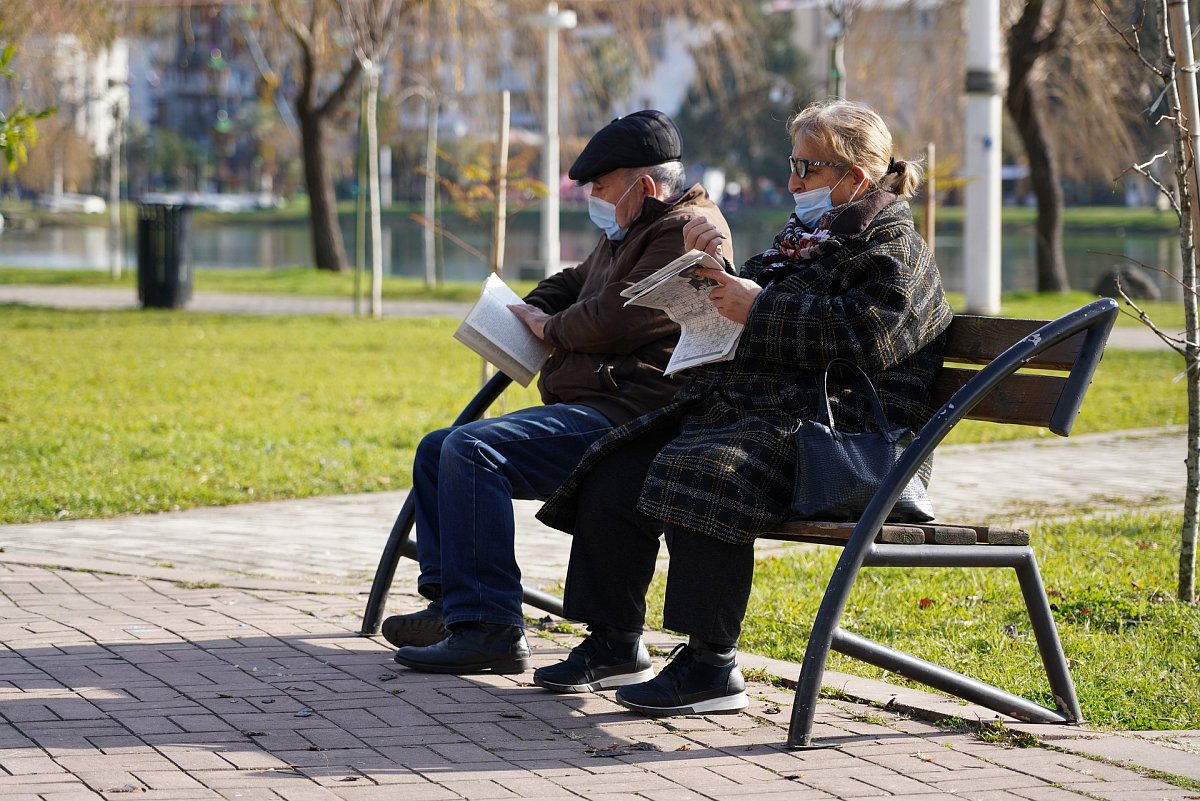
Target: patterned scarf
{"type": "Point", "coordinates": [795, 246]}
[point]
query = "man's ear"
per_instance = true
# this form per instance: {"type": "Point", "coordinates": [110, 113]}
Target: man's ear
{"type": "Point", "coordinates": [652, 185]}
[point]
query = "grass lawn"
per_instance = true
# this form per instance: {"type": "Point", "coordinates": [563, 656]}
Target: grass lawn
{"type": "Point", "coordinates": [1134, 650]}
{"type": "Point", "coordinates": [108, 413]}
{"type": "Point", "coordinates": [105, 413]}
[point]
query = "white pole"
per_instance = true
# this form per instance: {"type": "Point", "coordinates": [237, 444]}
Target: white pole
{"type": "Point", "coordinates": [372, 73]}
{"type": "Point", "coordinates": [981, 232]}
{"type": "Point", "coordinates": [500, 210]}
{"type": "Point", "coordinates": [115, 254]}
{"type": "Point", "coordinates": [551, 247]}
{"type": "Point", "coordinates": [431, 276]}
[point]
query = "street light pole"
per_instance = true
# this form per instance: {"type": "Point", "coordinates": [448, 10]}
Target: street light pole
{"type": "Point", "coordinates": [835, 82]}
{"type": "Point", "coordinates": [553, 21]}
{"type": "Point", "coordinates": [981, 230]}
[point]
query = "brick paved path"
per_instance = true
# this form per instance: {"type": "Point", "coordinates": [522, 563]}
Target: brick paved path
{"type": "Point", "coordinates": [115, 687]}
{"type": "Point", "coordinates": [211, 654]}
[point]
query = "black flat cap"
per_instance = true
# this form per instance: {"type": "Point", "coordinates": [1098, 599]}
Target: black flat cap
{"type": "Point", "coordinates": [640, 139]}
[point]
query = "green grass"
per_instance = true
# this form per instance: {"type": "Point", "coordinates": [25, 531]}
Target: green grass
{"type": "Point", "coordinates": [111, 413]}
{"type": "Point", "coordinates": [1134, 650]}
{"type": "Point", "coordinates": [105, 413]}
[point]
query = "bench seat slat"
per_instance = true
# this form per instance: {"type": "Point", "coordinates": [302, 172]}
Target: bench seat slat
{"type": "Point", "coordinates": [830, 533]}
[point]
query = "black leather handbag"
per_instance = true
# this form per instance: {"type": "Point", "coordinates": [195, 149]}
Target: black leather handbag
{"type": "Point", "coordinates": [838, 472]}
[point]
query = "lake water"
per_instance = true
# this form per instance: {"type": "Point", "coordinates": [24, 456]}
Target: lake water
{"type": "Point", "coordinates": [241, 245]}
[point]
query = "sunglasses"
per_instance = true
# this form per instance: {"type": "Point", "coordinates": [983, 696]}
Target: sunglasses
{"type": "Point", "coordinates": [802, 166]}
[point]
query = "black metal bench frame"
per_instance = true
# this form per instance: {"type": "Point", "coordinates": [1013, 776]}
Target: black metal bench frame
{"type": "Point", "coordinates": [1071, 345]}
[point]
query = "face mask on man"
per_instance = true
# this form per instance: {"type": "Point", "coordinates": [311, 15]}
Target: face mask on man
{"type": "Point", "coordinates": [604, 214]}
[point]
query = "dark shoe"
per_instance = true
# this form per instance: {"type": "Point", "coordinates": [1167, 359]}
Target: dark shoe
{"type": "Point", "coordinates": [471, 648]}
{"type": "Point", "coordinates": [696, 681]}
{"type": "Point", "coordinates": [418, 628]}
{"type": "Point", "coordinates": [597, 664]}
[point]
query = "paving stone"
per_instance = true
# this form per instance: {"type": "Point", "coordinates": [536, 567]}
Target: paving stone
{"type": "Point", "coordinates": [195, 693]}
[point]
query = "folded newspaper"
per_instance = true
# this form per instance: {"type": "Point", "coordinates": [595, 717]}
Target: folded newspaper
{"type": "Point", "coordinates": [496, 333]}
{"type": "Point", "coordinates": [704, 335]}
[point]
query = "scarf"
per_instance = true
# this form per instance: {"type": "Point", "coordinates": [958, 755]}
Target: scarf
{"type": "Point", "coordinates": [795, 246]}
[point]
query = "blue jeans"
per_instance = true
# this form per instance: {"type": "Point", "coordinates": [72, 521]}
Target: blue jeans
{"type": "Point", "coordinates": [464, 482]}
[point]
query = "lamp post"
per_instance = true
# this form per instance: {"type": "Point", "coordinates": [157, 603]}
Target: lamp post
{"type": "Point", "coordinates": [835, 82]}
{"type": "Point", "coordinates": [981, 229]}
{"type": "Point", "coordinates": [553, 21]}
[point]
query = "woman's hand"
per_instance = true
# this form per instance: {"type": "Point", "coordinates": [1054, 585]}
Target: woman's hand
{"type": "Point", "coordinates": [734, 297]}
{"type": "Point", "coordinates": [700, 234]}
{"type": "Point", "coordinates": [533, 317]}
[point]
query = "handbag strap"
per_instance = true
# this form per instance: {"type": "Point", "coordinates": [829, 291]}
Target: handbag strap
{"type": "Point", "coordinates": [865, 381]}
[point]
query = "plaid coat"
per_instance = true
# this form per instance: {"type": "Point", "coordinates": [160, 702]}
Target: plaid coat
{"type": "Point", "coordinates": [871, 294]}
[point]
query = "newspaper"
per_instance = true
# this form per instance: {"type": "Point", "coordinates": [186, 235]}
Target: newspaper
{"type": "Point", "coordinates": [496, 333]}
{"type": "Point", "coordinates": [705, 336]}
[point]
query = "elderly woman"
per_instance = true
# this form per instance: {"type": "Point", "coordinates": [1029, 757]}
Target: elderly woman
{"type": "Point", "coordinates": [848, 276]}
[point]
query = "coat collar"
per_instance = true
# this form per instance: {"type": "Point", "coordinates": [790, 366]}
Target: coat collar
{"type": "Point", "coordinates": [855, 217]}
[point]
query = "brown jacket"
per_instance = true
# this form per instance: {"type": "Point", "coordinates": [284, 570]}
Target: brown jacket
{"type": "Point", "coordinates": [606, 355]}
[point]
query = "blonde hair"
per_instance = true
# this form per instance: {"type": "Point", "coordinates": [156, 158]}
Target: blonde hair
{"type": "Point", "coordinates": [854, 133]}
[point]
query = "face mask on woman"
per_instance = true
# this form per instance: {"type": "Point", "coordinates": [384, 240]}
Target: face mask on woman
{"type": "Point", "coordinates": [812, 205]}
{"type": "Point", "coordinates": [604, 214]}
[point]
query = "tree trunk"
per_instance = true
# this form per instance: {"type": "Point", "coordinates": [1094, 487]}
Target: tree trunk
{"type": "Point", "coordinates": [329, 250]}
{"type": "Point", "coordinates": [1026, 106]}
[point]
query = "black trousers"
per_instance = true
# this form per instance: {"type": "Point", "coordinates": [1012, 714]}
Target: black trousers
{"type": "Point", "coordinates": [613, 554]}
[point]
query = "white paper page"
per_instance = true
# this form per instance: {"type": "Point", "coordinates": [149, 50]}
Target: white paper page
{"type": "Point", "coordinates": [492, 318]}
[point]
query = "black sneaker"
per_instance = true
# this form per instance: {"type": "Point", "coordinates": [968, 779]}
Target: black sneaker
{"type": "Point", "coordinates": [471, 648]}
{"type": "Point", "coordinates": [696, 681]}
{"type": "Point", "coordinates": [597, 664]}
{"type": "Point", "coordinates": [418, 628]}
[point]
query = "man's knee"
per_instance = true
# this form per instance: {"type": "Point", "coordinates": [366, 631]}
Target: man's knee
{"type": "Point", "coordinates": [429, 449]}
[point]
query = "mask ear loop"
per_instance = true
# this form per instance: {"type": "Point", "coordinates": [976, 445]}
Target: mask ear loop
{"type": "Point", "coordinates": [839, 209]}
{"type": "Point", "coordinates": [637, 181]}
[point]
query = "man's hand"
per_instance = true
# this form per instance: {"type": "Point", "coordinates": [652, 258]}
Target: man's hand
{"type": "Point", "coordinates": [734, 297]}
{"type": "Point", "coordinates": [700, 234]}
{"type": "Point", "coordinates": [533, 317]}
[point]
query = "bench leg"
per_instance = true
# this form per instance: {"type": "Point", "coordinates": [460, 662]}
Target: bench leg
{"type": "Point", "coordinates": [398, 544]}
{"type": "Point", "coordinates": [401, 544]}
{"type": "Point", "coordinates": [1046, 635]}
{"type": "Point", "coordinates": [827, 635]}
{"type": "Point", "coordinates": [816, 654]}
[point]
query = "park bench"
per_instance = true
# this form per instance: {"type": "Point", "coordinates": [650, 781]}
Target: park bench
{"type": "Point", "coordinates": [1019, 372]}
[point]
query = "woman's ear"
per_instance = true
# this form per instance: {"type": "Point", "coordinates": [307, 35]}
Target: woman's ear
{"type": "Point", "coordinates": [862, 181]}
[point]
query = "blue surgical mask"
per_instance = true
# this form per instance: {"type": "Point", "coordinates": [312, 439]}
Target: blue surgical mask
{"type": "Point", "coordinates": [812, 205]}
{"type": "Point", "coordinates": [604, 214]}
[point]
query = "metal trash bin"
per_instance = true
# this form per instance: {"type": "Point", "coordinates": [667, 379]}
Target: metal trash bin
{"type": "Point", "coordinates": [163, 258]}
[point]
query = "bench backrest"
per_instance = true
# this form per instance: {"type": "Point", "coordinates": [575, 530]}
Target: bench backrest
{"type": "Point", "coordinates": [1024, 398]}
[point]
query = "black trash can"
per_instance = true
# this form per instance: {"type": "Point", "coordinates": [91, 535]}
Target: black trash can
{"type": "Point", "coordinates": [163, 257]}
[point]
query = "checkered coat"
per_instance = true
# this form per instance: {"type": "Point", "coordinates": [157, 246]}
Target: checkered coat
{"type": "Point", "coordinates": [872, 295]}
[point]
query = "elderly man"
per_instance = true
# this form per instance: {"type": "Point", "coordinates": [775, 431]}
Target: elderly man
{"type": "Point", "coordinates": [606, 368]}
